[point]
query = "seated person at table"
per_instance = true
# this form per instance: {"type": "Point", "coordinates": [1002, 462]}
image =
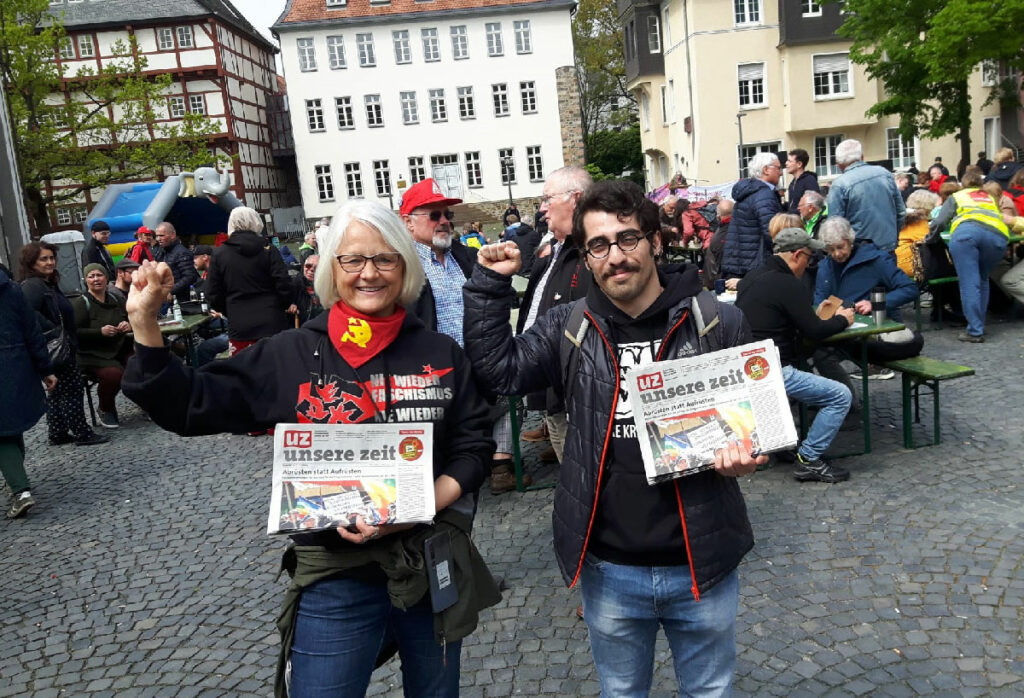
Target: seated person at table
{"type": "Point", "coordinates": [103, 343]}
{"type": "Point", "coordinates": [778, 307]}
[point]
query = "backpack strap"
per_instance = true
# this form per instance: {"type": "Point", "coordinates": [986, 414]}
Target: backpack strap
{"type": "Point", "coordinates": [569, 351]}
{"type": "Point", "coordinates": [710, 332]}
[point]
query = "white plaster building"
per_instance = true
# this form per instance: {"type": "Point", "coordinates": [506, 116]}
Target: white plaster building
{"type": "Point", "coordinates": [383, 94]}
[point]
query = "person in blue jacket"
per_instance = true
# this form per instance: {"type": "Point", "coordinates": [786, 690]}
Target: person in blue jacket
{"type": "Point", "coordinates": [748, 243]}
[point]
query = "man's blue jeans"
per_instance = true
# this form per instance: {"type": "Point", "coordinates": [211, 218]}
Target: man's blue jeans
{"type": "Point", "coordinates": [623, 606]}
{"type": "Point", "coordinates": [831, 397]}
{"type": "Point", "coordinates": [976, 249]}
{"type": "Point", "coordinates": [341, 626]}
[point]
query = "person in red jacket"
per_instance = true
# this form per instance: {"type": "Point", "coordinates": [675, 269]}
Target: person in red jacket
{"type": "Point", "coordinates": [143, 249]}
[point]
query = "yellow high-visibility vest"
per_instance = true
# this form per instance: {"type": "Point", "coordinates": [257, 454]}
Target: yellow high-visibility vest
{"type": "Point", "coordinates": [978, 206]}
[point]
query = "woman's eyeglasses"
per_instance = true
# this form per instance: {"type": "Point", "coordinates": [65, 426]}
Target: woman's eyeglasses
{"type": "Point", "coordinates": [627, 240]}
{"type": "Point", "coordinates": [354, 263]}
{"type": "Point", "coordinates": [435, 216]}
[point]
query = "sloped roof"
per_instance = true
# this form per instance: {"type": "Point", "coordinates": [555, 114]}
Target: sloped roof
{"type": "Point", "coordinates": [305, 12]}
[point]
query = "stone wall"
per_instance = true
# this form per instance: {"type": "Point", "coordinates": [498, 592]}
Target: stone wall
{"type": "Point", "coordinates": [570, 115]}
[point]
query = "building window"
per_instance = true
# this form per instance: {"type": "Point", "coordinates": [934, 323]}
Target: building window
{"type": "Point", "coordinates": [314, 115]}
{"type": "Point", "coordinates": [901, 152]}
{"type": "Point", "coordinates": [666, 28]}
{"type": "Point", "coordinates": [438, 108]}
{"type": "Point", "coordinates": [337, 3]}
{"type": "Point", "coordinates": [67, 52]}
{"type": "Point", "coordinates": [364, 42]}
{"type": "Point", "coordinates": [336, 52]}
{"type": "Point", "coordinates": [353, 179]}
{"type": "Point", "coordinates": [176, 107]}
{"type": "Point", "coordinates": [460, 42]}
{"type": "Point", "coordinates": [653, 34]}
{"type": "Point", "coordinates": [81, 215]}
{"type": "Point", "coordinates": [747, 11]}
{"type": "Point", "coordinates": [184, 37]}
{"type": "Point", "coordinates": [645, 111]}
{"type": "Point", "coordinates": [431, 45]}
{"type": "Point", "coordinates": [534, 163]}
{"type": "Point", "coordinates": [989, 73]}
{"type": "Point", "coordinates": [343, 107]}
{"type": "Point", "coordinates": [825, 155]}
{"type": "Point", "coordinates": [528, 93]}
{"type": "Point", "coordinates": [374, 112]}
{"type": "Point", "coordinates": [751, 84]}
{"type": "Point", "coordinates": [324, 183]}
{"type": "Point", "coordinates": [672, 101]}
{"type": "Point", "coordinates": [86, 47]}
{"type": "Point", "coordinates": [467, 110]}
{"type": "Point", "coordinates": [307, 55]}
{"type": "Point", "coordinates": [165, 37]}
{"type": "Point", "coordinates": [417, 173]}
{"type": "Point", "coordinates": [499, 93]}
{"type": "Point", "coordinates": [382, 177]}
{"type": "Point", "coordinates": [474, 177]}
{"type": "Point", "coordinates": [403, 52]}
{"type": "Point", "coordinates": [745, 153]}
{"type": "Point", "coordinates": [810, 8]}
{"type": "Point", "coordinates": [197, 104]}
{"type": "Point", "coordinates": [410, 111]}
{"type": "Point", "coordinates": [63, 216]}
{"type": "Point", "coordinates": [508, 166]}
{"type": "Point", "coordinates": [494, 46]}
{"type": "Point", "coordinates": [524, 41]}
{"type": "Point", "coordinates": [832, 75]}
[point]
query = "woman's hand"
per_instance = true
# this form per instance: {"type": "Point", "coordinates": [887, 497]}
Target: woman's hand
{"type": "Point", "coordinates": [151, 286]}
{"type": "Point", "coordinates": [49, 382]}
{"type": "Point", "coordinates": [366, 532]}
{"type": "Point", "coordinates": [731, 284]}
{"type": "Point", "coordinates": [108, 331]}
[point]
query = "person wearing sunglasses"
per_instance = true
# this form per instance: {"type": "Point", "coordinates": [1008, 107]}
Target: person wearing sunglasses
{"type": "Point", "coordinates": [306, 304]}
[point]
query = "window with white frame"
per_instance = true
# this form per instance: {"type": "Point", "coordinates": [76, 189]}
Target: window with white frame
{"type": "Point", "coordinates": [438, 108]}
{"type": "Point", "coordinates": [748, 151]}
{"type": "Point", "coordinates": [747, 11]}
{"type": "Point", "coordinates": [410, 110]}
{"type": "Point", "coordinates": [460, 42]}
{"type": "Point", "coordinates": [324, 183]}
{"type": "Point", "coordinates": [165, 38]}
{"type": "Point", "coordinates": [184, 34]}
{"type": "Point", "coordinates": [374, 111]}
{"type": "Point", "coordinates": [832, 75]}
{"type": "Point", "coordinates": [314, 115]}
{"type": "Point", "coordinates": [336, 52]}
{"type": "Point", "coordinates": [197, 104]}
{"type": "Point", "coordinates": [494, 45]}
{"type": "Point", "coordinates": [645, 111]}
{"type": "Point", "coordinates": [403, 52]}
{"type": "Point", "coordinates": [307, 55]}
{"type": "Point", "coordinates": [367, 58]}
{"type": "Point", "coordinates": [337, 3]}
{"type": "Point", "coordinates": [825, 155]}
{"type": "Point", "coordinates": [431, 45]}
{"type": "Point", "coordinates": [534, 163]}
{"type": "Point", "coordinates": [810, 8]}
{"type": "Point", "coordinates": [499, 95]}
{"type": "Point", "coordinates": [417, 172]}
{"type": "Point", "coordinates": [343, 108]}
{"type": "Point", "coordinates": [508, 166]}
{"type": "Point", "coordinates": [664, 104]}
{"type": "Point", "coordinates": [903, 153]}
{"type": "Point", "coordinates": [528, 95]}
{"type": "Point", "coordinates": [176, 107]}
{"type": "Point", "coordinates": [63, 216]}
{"type": "Point", "coordinates": [672, 101]}
{"type": "Point", "coordinates": [989, 73]}
{"type": "Point", "coordinates": [353, 179]}
{"type": "Point", "coordinates": [653, 34]}
{"type": "Point", "coordinates": [467, 110]}
{"type": "Point", "coordinates": [86, 46]}
{"type": "Point", "coordinates": [67, 52]}
{"type": "Point", "coordinates": [382, 177]}
{"type": "Point", "coordinates": [81, 215]}
{"type": "Point", "coordinates": [750, 77]}
{"type": "Point", "coordinates": [474, 176]}
{"type": "Point", "coordinates": [524, 39]}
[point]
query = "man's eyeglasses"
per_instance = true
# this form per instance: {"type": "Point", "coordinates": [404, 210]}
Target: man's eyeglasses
{"type": "Point", "coordinates": [354, 263]}
{"type": "Point", "coordinates": [546, 198]}
{"type": "Point", "coordinates": [627, 240]}
{"type": "Point", "coordinates": [313, 266]}
{"type": "Point", "coordinates": [435, 216]}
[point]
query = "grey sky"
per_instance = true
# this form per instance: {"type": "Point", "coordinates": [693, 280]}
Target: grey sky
{"type": "Point", "coordinates": [262, 13]}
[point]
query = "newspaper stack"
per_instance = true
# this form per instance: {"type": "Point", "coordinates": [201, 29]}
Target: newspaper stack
{"type": "Point", "coordinates": [325, 475]}
{"type": "Point", "coordinates": [686, 409]}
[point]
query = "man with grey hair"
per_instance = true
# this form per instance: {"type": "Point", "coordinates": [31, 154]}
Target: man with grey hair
{"type": "Point", "coordinates": [178, 257]}
{"type": "Point", "coordinates": [866, 195]}
{"type": "Point", "coordinates": [903, 183]}
{"type": "Point", "coordinates": [813, 212]}
{"type": "Point", "coordinates": [748, 243]}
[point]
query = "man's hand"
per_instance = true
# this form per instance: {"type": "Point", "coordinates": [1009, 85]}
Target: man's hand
{"type": "Point", "coordinates": [732, 284]}
{"type": "Point", "coordinates": [848, 314]}
{"type": "Point", "coordinates": [502, 257]}
{"type": "Point", "coordinates": [49, 382]}
{"type": "Point", "coordinates": [292, 309]}
{"type": "Point", "coordinates": [365, 532]}
{"type": "Point", "coordinates": [862, 307]}
{"type": "Point", "coordinates": [735, 460]}
{"type": "Point", "coordinates": [123, 327]}
{"type": "Point", "coordinates": [151, 286]}
{"type": "Point", "coordinates": [108, 330]}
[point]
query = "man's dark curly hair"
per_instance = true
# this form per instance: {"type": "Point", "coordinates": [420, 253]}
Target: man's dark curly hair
{"type": "Point", "coordinates": [623, 198]}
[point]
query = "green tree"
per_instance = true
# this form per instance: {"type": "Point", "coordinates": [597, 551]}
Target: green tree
{"type": "Point", "coordinates": [89, 129]}
{"type": "Point", "coordinates": [924, 53]}
{"type": "Point", "coordinates": [616, 152]}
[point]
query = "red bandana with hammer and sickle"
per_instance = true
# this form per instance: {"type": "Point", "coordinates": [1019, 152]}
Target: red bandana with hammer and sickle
{"type": "Point", "coordinates": [358, 337]}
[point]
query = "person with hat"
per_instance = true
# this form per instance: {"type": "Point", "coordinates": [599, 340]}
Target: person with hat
{"type": "Point", "coordinates": [103, 344]}
{"type": "Point", "coordinates": [201, 258]}
{"type": "Point", "coordinates": [778, 307]}
{"type": "Point", "coordinates": [95, 250]}
{"type": "Point", "coordinates": [122, 282]}
{"type": "Point", "coordinates": [143, 249]}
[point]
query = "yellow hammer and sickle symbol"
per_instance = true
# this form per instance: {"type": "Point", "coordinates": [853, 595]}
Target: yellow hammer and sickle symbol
{"type": "Point", "coordinates": [359, 332]}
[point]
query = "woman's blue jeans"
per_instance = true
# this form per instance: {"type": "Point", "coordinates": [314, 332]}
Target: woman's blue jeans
{"type": "Point", "coordinates": [341, 626]}
{"type": "Point", "coordinates": [976, 249]}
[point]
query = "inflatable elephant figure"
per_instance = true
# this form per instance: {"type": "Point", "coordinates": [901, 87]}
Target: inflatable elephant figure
{"type": "Point", "coordinates": [207, 183]}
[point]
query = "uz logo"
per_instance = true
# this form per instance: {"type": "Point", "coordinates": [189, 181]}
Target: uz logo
{"type": "Point", "coordinates": [298, 439]}
{"type": "Point", "coordinates": [650, 381]}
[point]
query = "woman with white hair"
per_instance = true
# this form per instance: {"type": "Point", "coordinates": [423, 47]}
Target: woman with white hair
{"type": "Point", "coordinates": [357, 592]}
{"type": "Point", "coordinates": [248, 282]}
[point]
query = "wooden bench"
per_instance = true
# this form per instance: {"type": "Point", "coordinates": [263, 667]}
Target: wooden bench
{"type": "Point", "coordinates": [918, 372]}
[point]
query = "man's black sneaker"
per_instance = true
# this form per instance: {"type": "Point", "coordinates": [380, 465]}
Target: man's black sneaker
{"type": "Point", "coordinates": [92, 440]}
{"type": "Point", "coordinates": [818, 470]}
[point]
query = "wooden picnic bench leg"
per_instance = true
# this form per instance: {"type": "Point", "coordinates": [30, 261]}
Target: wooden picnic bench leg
{"type": "Point", "coordinates": [908, 395]}
{"type": "Point", "coordinates": [935, 410]}
{"type": "Point", "coordinates": [865, 400]}
{"type": "Point", "coordinates": [517, 458]}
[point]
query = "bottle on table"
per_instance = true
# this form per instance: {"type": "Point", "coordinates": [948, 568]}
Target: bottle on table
{"type": "Point", "coordinates": [203, 305]}
{"type": "Point", "coordinates": [176, 311]}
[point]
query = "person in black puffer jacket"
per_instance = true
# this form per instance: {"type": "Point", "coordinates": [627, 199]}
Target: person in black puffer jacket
{"type": "Point", "coordinates": [179, 258]}
{"type": "Point", "coordinates": [248, 282]}
{"type": "Point", "coordinates": [748, 243]}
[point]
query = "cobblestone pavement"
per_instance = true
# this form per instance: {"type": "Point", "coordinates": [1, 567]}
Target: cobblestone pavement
{"type": "Point", "coordinates": [144, 569]}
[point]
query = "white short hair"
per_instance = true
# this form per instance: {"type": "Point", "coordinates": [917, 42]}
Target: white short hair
{"type": "Point", "coordinates": [756, 164]}
{"type": "Point", "coordinates": [244, 218]}
{"type": "Point", "coordinates": [390, 226]}
{"type": "Point", "coordinates": [849, 152]}
{"type": "Point", "coordinates": [836, 229]}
